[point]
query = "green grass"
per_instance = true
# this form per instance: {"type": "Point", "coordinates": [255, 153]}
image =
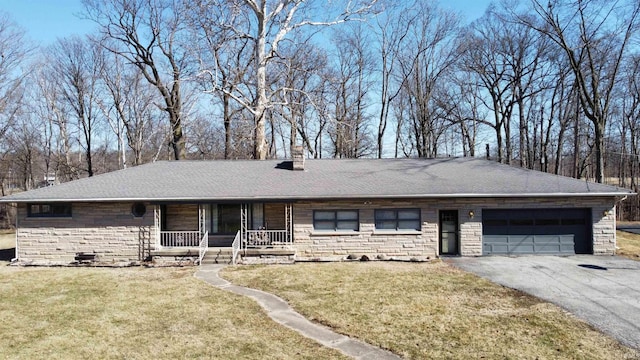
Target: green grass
{"type": "Point", "coordinates": [136, 313]}
{"type": "Point", "coordinates": [424, 311]}
{"type": "Point", "coordinates": [628, 245]}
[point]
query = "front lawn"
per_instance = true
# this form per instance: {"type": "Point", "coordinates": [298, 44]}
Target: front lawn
{"type": "Point", "coordinates": [628, 245]}
{"type": "Point", "coordinates": [430, 311]}
{"type": "Point", "coordinates": [7, 246]}
{"type": "Point", "coordinates": [7, 239]}
{"type": "Point", "coordinates": [136, 313]}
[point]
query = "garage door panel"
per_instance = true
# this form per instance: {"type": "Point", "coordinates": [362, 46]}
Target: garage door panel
{"type": "Point", "coordinates": [540, 231]}
{"type": "Point", "coordinates": [548, 239]}
{"type": "Point", "coordinates": [521, 249]}
{"type": "Point", "coordinates": [497, 239]}
{"type": "Point", "coordinates": [495, 248]}
{"type": "Point", "coordinates": [547, 249]}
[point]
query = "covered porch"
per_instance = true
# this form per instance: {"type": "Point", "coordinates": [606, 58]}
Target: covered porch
{"type": "Point", "coordinates": [238, 225]}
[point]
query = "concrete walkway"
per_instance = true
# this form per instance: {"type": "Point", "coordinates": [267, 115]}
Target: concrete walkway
{"type": "Point", "coordinates": [280, 311]}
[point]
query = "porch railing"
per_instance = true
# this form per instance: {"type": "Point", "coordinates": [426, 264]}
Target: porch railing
{"type": "Point", "coordinates": [235, 246]}
{"type": "Point", "coordinates": [204, 246]}
{"type": "Point", "coordinates": [267, 238]}
{"type": "Point", "coordinates": [180, 238]}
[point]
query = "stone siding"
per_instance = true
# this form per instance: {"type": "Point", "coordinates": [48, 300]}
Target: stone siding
{"type": "Point", "coordinates": [107, 229]}
{"type": "Point", "coordinates": [404, 245]}
{"type": "Point", "coordinates": [112, 232]}
{"type": "Point", "coordinates": [316, 245]}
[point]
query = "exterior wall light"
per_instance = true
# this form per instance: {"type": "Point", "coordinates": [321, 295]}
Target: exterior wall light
{"type": "Point", "coordinates": [471, 214]}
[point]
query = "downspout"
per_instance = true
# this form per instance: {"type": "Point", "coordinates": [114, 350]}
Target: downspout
{"type": "Point", "coordinates": [17, 229]}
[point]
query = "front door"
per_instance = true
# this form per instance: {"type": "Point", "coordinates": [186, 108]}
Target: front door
{"type": "Point", "coordinates": [449, 232]}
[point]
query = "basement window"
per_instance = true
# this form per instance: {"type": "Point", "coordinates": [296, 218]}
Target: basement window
{"type": "Point", "coordinates": [49, 210]}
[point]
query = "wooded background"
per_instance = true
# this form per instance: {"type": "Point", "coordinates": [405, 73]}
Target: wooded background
{"type": "Point", "coordinates": [546, 85]}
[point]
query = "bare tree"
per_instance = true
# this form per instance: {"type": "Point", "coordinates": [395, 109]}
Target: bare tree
{"type": "Point", "coordinates": [128, 105]}
{"type": "Point", "coordinates": [507, 58]}
{"type": "Point", "coordinates": [465, 111]}
{"type": "Point", "coordinates": [428, 55]}
{"type": "Point", "coordinates": [351, 82]}
{"type": "Point", "coordinates": [13, 54]}
{"type": "Point", "coordinates": [391, 29]}
{"type": "Point", "coordinates": [54, 109]}
{"type": "Point", "coordinates": [268, 24]}
{"type": "Point", "coordinates": [594, 35]}
{"type": "Point", "coordinates": [300, 78]}
{"type": "Point", "coordinates": [24, 149]}
{"type": "Point", "coordinates": [149, 34]}
{"type": "Point", "coordinates": [225, 61]}
{"type": "Point", "coordinates": [77, 65]}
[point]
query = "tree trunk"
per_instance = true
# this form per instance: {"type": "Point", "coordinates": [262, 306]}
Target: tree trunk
{"type": "Point", "coordinates": [227, 125]}
{"type": "Point", "coordinates": [599, 144]}
{"type": "Point", "coordinates": [260, 141]}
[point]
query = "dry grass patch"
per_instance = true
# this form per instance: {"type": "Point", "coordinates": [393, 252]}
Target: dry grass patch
{"type": "Point", "coordinates": [423, 311]}
{"type": "Point", "coordinates": [628, 245]}
{"type": "Point", "coordinates": [136, 313]}
{"type": "Point", "coordinates": [7, 239]}
{"type": "Point", "coordinates": [7, 246]}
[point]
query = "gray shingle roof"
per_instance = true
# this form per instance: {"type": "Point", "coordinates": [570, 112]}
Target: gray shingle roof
{"type": "Point", "coordinates": [321, 179]}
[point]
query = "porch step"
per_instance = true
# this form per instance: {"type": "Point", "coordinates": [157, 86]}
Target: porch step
{"type": "Point", "coordinates": [218, 255]}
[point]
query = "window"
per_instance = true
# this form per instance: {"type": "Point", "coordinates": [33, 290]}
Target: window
{"type": "Point", "coordinates": [227, 218]}
{"type": "Point", "coordinates": [138, 209]}
{"type": "Point", "coordinates": [49, 210]}
{"type": "Point", "coordinates": [397, 219]}
{"type": "Point", "coordinates": [336, 220]}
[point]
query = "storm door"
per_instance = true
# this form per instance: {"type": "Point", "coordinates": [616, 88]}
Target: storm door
{"type": "Point", "coordinates": [449, 232]}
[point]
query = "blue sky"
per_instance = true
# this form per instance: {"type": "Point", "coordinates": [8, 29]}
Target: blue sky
{"type": "Point", "coordinates": [47, 20]}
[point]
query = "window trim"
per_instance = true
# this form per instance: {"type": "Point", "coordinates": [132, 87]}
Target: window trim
{"type": "Point", "coordinates": [397, 220]}
{"type": "Point", "coordinates": [336, 221]}
{"type": "Point", "coordinates": [67, 210]}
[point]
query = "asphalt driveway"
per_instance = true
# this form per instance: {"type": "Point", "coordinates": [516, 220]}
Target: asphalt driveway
{"type": "Point", "coordinates": [602, 290]}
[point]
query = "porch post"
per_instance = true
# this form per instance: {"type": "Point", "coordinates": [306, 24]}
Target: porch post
{"type": "Point", "coordinates": [288, 221]}
{"type": "Point", "coordinates": [202, 218]}
{"type": "Point", "coordinates": [157, 222]}
{"type": "Point", "coordinates": [244, 222]}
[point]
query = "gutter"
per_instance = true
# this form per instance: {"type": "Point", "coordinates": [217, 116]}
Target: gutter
{"type": "Point", "coordinates": [328, 197]}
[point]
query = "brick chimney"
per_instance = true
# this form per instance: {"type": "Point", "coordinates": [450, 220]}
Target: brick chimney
{"type": "Point", "coordinates": [297, 154]}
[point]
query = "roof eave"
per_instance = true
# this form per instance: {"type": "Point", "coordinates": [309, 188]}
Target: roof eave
{"type": "Point", "coordinates": [327, 197]}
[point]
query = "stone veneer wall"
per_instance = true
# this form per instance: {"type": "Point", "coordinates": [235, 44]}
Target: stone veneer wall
{"type": "Point", "coordinates": [107, 229]}
{"type": "Point", "coordinates": [111, 231]}
{"type": "Point", "coordinates": [314, 245]}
